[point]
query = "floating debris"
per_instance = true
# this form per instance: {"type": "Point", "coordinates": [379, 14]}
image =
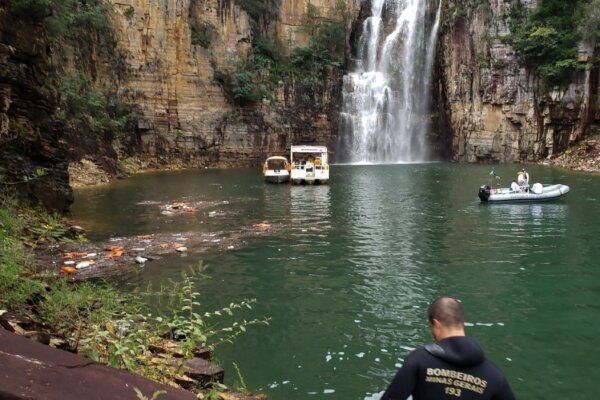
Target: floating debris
{"type": "Point", "coordinates": [178, 207]}
{"type": "Point", "coordinates": [144, 237]}
{"type": "Point", "coordinates": [71, 255]}
{"type": "Point", "coordinates": [84, 264]}
{"type": "Point", "coordinates": [115, 251]}
{"type": "Point", "coordinates": [93, 260]}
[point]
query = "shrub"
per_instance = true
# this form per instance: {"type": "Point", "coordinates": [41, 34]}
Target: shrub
{"type": "Point", "coordinates": [546, 40]}
{"type": "Point", "coordinates": [239, 87]}
{"type": "Point", "coordinates": [254, 78]}
{"type": "Point", "coordinates": [260, 10]}
{"type": "Point", "coordinates": [129, 12]}
{"type": "Point", "coordinates": [15, 286]}
{"type": "Point", "coordinates": [203, 33]}
{"type": "Point", "coordinates": [35, 10]}
{"type": "Point", "coordinates": [83, 105]}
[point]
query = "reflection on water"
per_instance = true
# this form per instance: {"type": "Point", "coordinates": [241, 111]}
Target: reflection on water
{"type": "Point", "coordinates": [347, 278]}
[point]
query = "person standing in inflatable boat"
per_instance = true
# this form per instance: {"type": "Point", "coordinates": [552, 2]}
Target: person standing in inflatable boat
{"type": "Point", "coordinates": [523, 179]}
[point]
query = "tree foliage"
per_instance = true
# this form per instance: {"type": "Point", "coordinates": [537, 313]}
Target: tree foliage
{"type": "Point", "coordinates": [254, 78]}
{"type": "Point", "coordinates": [260, 11]}
{"type": "Point", "coordinates": [203, 33]}
{"type": "Point", "coordinates": [589, 21]}
{"type": "Point", "coordinates": [546, 40]}
{"type": "Point", "coordinates": [83, 105]}
{"type": "Point", "coordinates": [74, 20]}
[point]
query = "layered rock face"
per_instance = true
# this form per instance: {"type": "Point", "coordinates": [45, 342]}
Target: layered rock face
{"type": "Point", "coordinates": [31, 159]}
{"type": "Point", "coordinates": [493, 105]}
{"type": "Point", "coordinates": [187, 119]}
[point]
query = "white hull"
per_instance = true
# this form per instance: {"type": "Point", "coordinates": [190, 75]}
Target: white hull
{"type": "Point", "coordinates": [277, 176]}
{"type": "Point", "coordinates": [276, 169]}
{"type": "Point", "coordinates": [549, 192]}
{"type": "Point", "coordinates": [302, 177]}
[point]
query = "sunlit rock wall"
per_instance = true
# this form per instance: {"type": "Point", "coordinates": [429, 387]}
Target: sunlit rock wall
{"type": "Point", "coordinates": [494, 107]}
{"type": "Point", "coordinates": [187, 120]}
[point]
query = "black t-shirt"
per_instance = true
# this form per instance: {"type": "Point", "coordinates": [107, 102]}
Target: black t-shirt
{"type": "Point", "coordinates": [453, 368]}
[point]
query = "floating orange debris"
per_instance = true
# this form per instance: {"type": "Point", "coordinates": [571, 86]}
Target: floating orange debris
{"type": "Point", "coordinates": [144, 237]}
{"type": "Point", "coordinates": [115, 251]}
{"type": "Point", "coordinates": [262, 225]}
{"type": "Point", "coordinates": [68, 270]}
{"type": "Point", "coordinates": [71, 255]}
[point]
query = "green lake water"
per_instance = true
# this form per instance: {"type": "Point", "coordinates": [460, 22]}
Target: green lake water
{"type": "Point", "coordinates": [348, 280]}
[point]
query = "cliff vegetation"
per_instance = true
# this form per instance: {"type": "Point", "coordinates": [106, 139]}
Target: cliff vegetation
{"type": "Point", "coordinates": [547, 39]}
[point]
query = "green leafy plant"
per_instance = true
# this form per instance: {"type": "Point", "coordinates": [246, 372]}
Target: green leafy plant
{"type": "Point", "coordinates": [129, 12]}
{"type": "Point", "coordinates": [50, 227]}
{"type": "Point", "coordinates": [203, 33]}
{"type": "Point", "coordinates": [16, 286]}
{"type": "Point", "coordinates": [242, 384]}
{"type": "Point", "coordinates": [124, 340]}
{"type": "Point", "coordinates": [83, 105]}
{"type": "Point", "coordinates": [261, 12]}
{"type": "Point", "coordinates": [546, 40]}
{"type": "Point", "coordinates": [254, 78]}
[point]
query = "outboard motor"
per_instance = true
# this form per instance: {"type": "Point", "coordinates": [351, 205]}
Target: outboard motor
{"type": "Point", "coordinates": [484, 192]}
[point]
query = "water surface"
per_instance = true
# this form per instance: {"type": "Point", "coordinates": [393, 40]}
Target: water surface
{"type": "Point", "coordinates": [348, 281]}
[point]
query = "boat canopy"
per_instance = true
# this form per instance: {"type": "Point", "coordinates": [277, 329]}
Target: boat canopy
{"type": "Point", "coordinates": [276, 163]}
{"type": "Point", "coordinates": [308, 149]}
{"type": "Point", "coordinates": [277, 158]}
{"type": "Point", "coordinates": [308, 152]}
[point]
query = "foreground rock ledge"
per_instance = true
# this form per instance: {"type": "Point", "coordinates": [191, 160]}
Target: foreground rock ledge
{"type": "Point", "coordinates": [30, 370]}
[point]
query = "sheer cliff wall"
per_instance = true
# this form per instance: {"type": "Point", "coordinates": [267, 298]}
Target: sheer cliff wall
{"type": "Point", "coordinates": [494, 108]}
{"type": "Point", "coordinates": [187, 119]}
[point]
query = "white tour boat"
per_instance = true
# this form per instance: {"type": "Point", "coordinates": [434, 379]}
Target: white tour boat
{"type": "Point", "coordinates": [309, 164]}
{"type": "Point", "coordinates": [276, 169]}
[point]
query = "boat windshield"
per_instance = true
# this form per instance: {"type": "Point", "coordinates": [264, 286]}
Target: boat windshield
{"type": "Point", "coordinates": [276, 164]}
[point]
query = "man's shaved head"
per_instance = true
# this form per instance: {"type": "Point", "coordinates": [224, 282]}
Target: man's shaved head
{"type": "Point", "coordinates": [447, 311]}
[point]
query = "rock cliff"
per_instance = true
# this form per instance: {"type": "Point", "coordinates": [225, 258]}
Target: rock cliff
{"type": "Point", "coordinates": [174, 59]}
{"type": "Point", "coordinates": [187, 118]}
{"type": "Point", "coordinates": [30, 155]}
{"type": "Point", "coordinates": [494, 107]}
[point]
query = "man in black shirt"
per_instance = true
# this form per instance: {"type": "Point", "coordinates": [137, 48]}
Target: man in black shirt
{"type": "Point", "coordinates": [454, 367]}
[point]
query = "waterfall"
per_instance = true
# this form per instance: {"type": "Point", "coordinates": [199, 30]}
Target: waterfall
{"type": "Point", "coordinates": [386, 100]}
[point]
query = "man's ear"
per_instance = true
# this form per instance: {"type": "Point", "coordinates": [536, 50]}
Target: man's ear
{"type": "Point", "coordinates": [435, 325]}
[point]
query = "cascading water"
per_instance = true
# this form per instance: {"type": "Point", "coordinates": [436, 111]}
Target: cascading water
{"type": "Point", "coordinates": [386, 101]}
